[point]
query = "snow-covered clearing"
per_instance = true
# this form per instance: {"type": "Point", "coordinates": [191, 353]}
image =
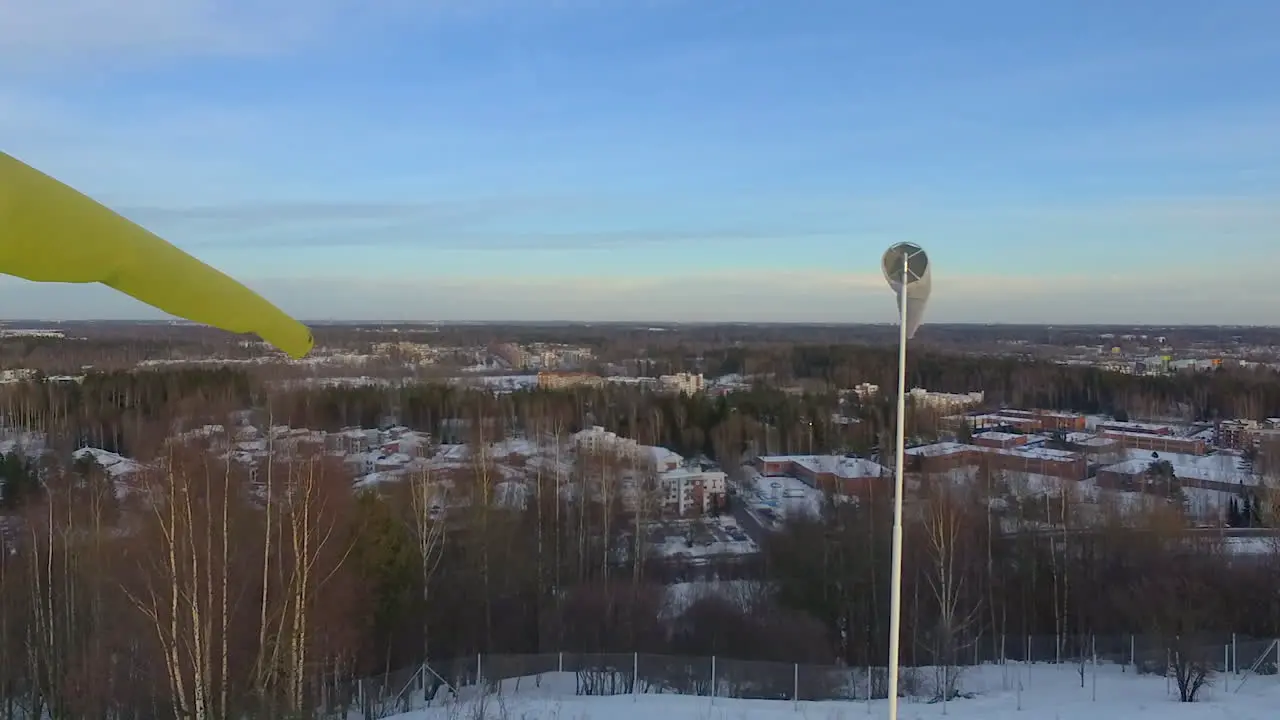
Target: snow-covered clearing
{"type": "Point", "coordinates": [1047, 692]}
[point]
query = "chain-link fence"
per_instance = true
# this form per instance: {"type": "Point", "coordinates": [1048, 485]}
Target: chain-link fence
{"type": "Point", "coordinates": [582, 674]}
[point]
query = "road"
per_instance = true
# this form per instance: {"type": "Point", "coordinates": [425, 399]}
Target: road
{"type": "Point", "coordinates": [746, 520]}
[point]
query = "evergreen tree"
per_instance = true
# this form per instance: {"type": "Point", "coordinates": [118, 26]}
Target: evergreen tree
{"type": "Point", "coordinates": [19, 480]}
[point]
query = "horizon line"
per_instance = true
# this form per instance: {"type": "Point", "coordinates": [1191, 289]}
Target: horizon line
{"type": "Point", "coordinates": [654, 323]}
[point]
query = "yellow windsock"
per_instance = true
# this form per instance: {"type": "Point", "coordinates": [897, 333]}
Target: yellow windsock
{"type": "Point", "coordinates": [50, 232]}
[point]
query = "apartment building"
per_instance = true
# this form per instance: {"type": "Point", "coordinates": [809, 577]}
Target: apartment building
{"type": "Point", "coordinates": [866, 390]}
{"type": "Point", "coordinates": [556, 380]}
{"type": "Point", "coordinates": [597, 440]}
{"type": "Point", "coordinates": [1243, 434]}
{"type": "Point", "coordinates": [1233, 434]}
{"type": "Point", "coordinates": [352, 440]}
{"type": "Point", "coordinates": [515, 355]}
{"type": "Point", "coordinates": [691, 492]}
{"type": "Point", "coordinates": [944, 401]}
{"type": "Point", "coordinates": [683, 383]}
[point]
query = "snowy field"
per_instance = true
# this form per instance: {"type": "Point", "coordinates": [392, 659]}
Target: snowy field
{"type": "Point", "coordinates": [1046, 692]}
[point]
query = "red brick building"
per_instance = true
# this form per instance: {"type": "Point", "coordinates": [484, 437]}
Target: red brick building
{"type": "Point", "coordinates": [1137, 427]}
{"type": "Point", "coordinates": [1027, 421]}
{"type": "Point", "coordinates": [1157, 443]}
{"type": "Point", "coordinates": [831, 473]}
{"type": "Point", "coordinates": [1052, 420]}
{"type": "Point", "coordinates": [944, 457]}
{"type": "Point", "coordinates": [999, 439]}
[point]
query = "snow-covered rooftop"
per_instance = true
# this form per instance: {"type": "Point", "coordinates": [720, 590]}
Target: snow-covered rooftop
{"type": "Point", "coordinates": [1089, 439]}
{"type": "Point", "coordinates": [838, 465]}
{"type": "Point", "coordinates": [1140, 427]}
{"type": "Point", "coordinates": [940, 449]}
{"type": "Point", "coordinates": [1030, 453]}
{"type": "Point", "coordinates": [1221, 467]}
{"type": "Point", "coordinates": [663, 456]}
{"type": "Point", "coordinates": [996, 436]}
{"type": "Point", "coordinates": [115, 465]}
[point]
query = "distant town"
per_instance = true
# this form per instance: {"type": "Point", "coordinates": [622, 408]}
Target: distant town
{"type": "Point", "coordinates": [436, 496]}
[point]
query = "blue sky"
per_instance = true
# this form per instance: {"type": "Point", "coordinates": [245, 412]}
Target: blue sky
{"type": "Point", "coordinates": [669, 159]}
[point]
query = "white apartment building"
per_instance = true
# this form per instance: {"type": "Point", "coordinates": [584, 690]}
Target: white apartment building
{"type": "Point", "coordinates": [596, 439]}
{"type": "Point", "coordinates": [687, 491]}
{"type": "Point", "coordinates": [685, 383]}
{"type": "Point", "coordinates": [945, 401]}
{"type": "Point", "coordinates": [866, 390]}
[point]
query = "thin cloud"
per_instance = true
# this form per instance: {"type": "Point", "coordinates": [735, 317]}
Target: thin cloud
{"type": "Point", "coordinates": [62, 35]}
{"type": "Point", "coordinates": [438, 236]}
{"type": "Point", "coordinates": [260, 217]}
{"type": "Point", "coordinates": [726, 295]}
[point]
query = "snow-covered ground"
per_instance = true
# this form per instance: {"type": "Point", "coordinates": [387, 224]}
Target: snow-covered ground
{"type": "Point", "coordinates": [786, 497]}
{"type": "Point", "coordinates": [498, 383]}
{"type": "Point", "coordinates": [680, 596]}
{"type": "Point", "coordinates": [1036, 692]}
{"type": "Point", "coordinates": [695, 540]}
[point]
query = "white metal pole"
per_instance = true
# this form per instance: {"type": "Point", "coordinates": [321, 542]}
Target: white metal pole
{"type": "Point", "coordinates": [895, 609]}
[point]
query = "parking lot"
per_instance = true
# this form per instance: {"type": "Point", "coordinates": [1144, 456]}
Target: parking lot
{"type": "Point", "coordinates": [699, 538]}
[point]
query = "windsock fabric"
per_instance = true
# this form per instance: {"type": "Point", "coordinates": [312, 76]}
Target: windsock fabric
{"type": "Point", "coordinates": [49, 232]}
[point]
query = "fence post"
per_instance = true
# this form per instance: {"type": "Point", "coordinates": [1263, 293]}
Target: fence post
{"type": "Point", "coordinates": [635, 676]}
{"type": "Point", "coordinates": [1095, 668]}
{"type": "Point", "coordinates": [1235, 659]}
{"type": "Point", "coordinates": [560, 661]}
{"type": "Point", "coordinates": [1024, 664]}
{"type": "Point", "coordinates": [869, 686]}
{"type": "Point", "coordinates": [795, 686]}
{"type": "Point", "coordinates": [1133, 653]}
{"type": "Point", "coordinates": [1028, 655]}
{"type": "Point", "coordinates": [479, 674]}
{"type": "Point", "coordinates": [713, 679]}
